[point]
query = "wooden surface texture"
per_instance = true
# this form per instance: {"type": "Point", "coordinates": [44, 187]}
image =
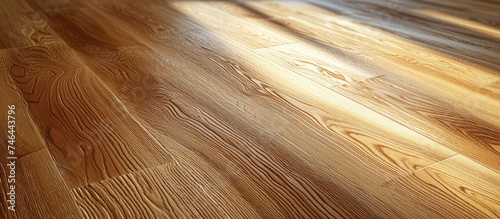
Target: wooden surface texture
{"type": "Point", "coordinates": [251, 109]}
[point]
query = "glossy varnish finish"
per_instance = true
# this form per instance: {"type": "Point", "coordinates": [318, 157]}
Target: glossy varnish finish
{"type": "Point", "coordinates": [253, 109]}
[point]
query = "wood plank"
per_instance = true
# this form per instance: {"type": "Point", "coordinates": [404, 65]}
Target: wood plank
{"type": "Point", "coordinates": [194, 84]}
{"type": "Point", "coordinates": [88, 131]}
{"type": "Point", "coordinates": [431, 116]}
{"type": "Point", "coordinates": [53, 7]}
{"type": "Point", "coordinates": [28, 138]}
{"type": "Point", "coordinates": [401, 58]}
{"type": "Point", "coordinates": [319, 66]}
{"type": "Point", "coordinates": [483, 11]}
{"type": "Point", "coordinates": [219, 113]}
{"type": "Point", "coordinates": [154, 102]}
{"type": "Point", "coordinates": [173, 112]}
{"type": "Point", "coordinates": [333, 29]}
{"type": "Point", "coordinates": [459, 186]}
{"type": "Point", "coordinates": [232, 27]}
{"type": "Point", "coordinates": [485, 149]}
{"type": "Point", "coordinates": [157, 23]}
{"type": "Point", "coordinates": [184, 108]}
{"type": "Point", "coordinates": [175, 190]}
{"type": "Point", "coordinates": [275, 9]}
{"type": "Point", "coordinates": [234, 8]}
{"type": "Point", "coordinates": [407, 20]}
{"type": "Point", "coordinates": [252, 69]}
{"type": "Point", "coordinates": [492, 89]}
{"type": "Point", "coordinates": [207, 45]}
{"type": "Point", "coordinates": [41, 191]}
{"type": "Point", "coordinates": [71, 25]}
{"type": "Point", "coordinates": [408, 202]}
{"type": "Point", "coordinates": [22, 26]}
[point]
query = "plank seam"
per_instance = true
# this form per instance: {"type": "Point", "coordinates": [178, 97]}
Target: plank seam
{"type": "Point", "coordinates": [418, 170]}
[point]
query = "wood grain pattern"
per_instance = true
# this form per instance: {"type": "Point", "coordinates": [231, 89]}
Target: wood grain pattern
{"type": "Point", "coordinates": [39, 181]}
{"type": "Point", "coordinates": [315, 65]}
{"type": "Point", "coordinates": [161, 92]}
{"type": "Point", "coordinates": [22, 26]}
{"type": "Point", "coordinates": [258, 35]}
{"type": "Point", "coordinates": [29, 138]}
{"type": "Point", "coordinates": [426, 114]}
{"type": "Point", "coordinates": [405, 19]}
{"type": "Point", "coordinates": [134, 84]}
{"type": "Point", "coordinates": [447, 74]}
{"type": "Point", "coordinates": [156, 22]}
{"type": "Point", "coordinates": [167, 191]}
{"type": "Point", "coordinates": [258, 109]}
{"type": "Point", "coordinates": [455, 179]}
{"type": "Point", "coordinates": [78, 117]}
{"type": "Point", "coordinates": [492, 89]}
{"type": "Point", "coordinates": [172, 111]}
{"type": "Point", "coordinates": [331, 28]}
{"type": "Point", "coordinates": [192, 83]}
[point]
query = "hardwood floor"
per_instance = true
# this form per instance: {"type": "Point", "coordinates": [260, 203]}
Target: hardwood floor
{"type": "Point", "coordinates": [250, 109]}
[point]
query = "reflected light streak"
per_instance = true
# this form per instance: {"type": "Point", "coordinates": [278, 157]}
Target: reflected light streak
{"type": "Point", "coordinates": [471, 25]}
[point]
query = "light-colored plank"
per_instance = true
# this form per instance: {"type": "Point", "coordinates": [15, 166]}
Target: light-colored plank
{"type": "Point", "coordinates": [405, 19]}
{"type": "Point", "coordinates": [234, 8]}
{"type": "Point", "coordinates": [181, 107]}
{"type": "Point", "coordinates": [459, 186]}
{"type": "Point", "coordinates": [492, 89]}
{"type": "Point", "coordinates": [485, 150]}
{"type": "Point", "coordinates": [250, 137]}
{"type": "Point", "coordinates": [333, 29]}
{"type": "Point", "coordinates": [166, 109]}
{"type": "Point", "coordinates": [230, 27]}
{"type": "Point", "coordinates": [431, 116]}
{"type": "Point", "coordinates": [319, 66]}
{"type": "Point", "coordinates": [88, 131]}
{"type": "Point", "coordinates": [190, 109]}
{"type": "Point", "coordinates": [275, 9]}
{"type": "Point", "coordinates": [41, 191]}
{"type": "Point", "coordinates": [389, 54]}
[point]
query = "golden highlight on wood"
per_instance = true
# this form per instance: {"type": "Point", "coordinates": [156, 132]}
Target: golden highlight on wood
{"type": "Point", "coordinates": [249, 109]}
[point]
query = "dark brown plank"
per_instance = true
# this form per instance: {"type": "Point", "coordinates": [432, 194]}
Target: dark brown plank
{"type": "Point", "coordinates": [28, 138]}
